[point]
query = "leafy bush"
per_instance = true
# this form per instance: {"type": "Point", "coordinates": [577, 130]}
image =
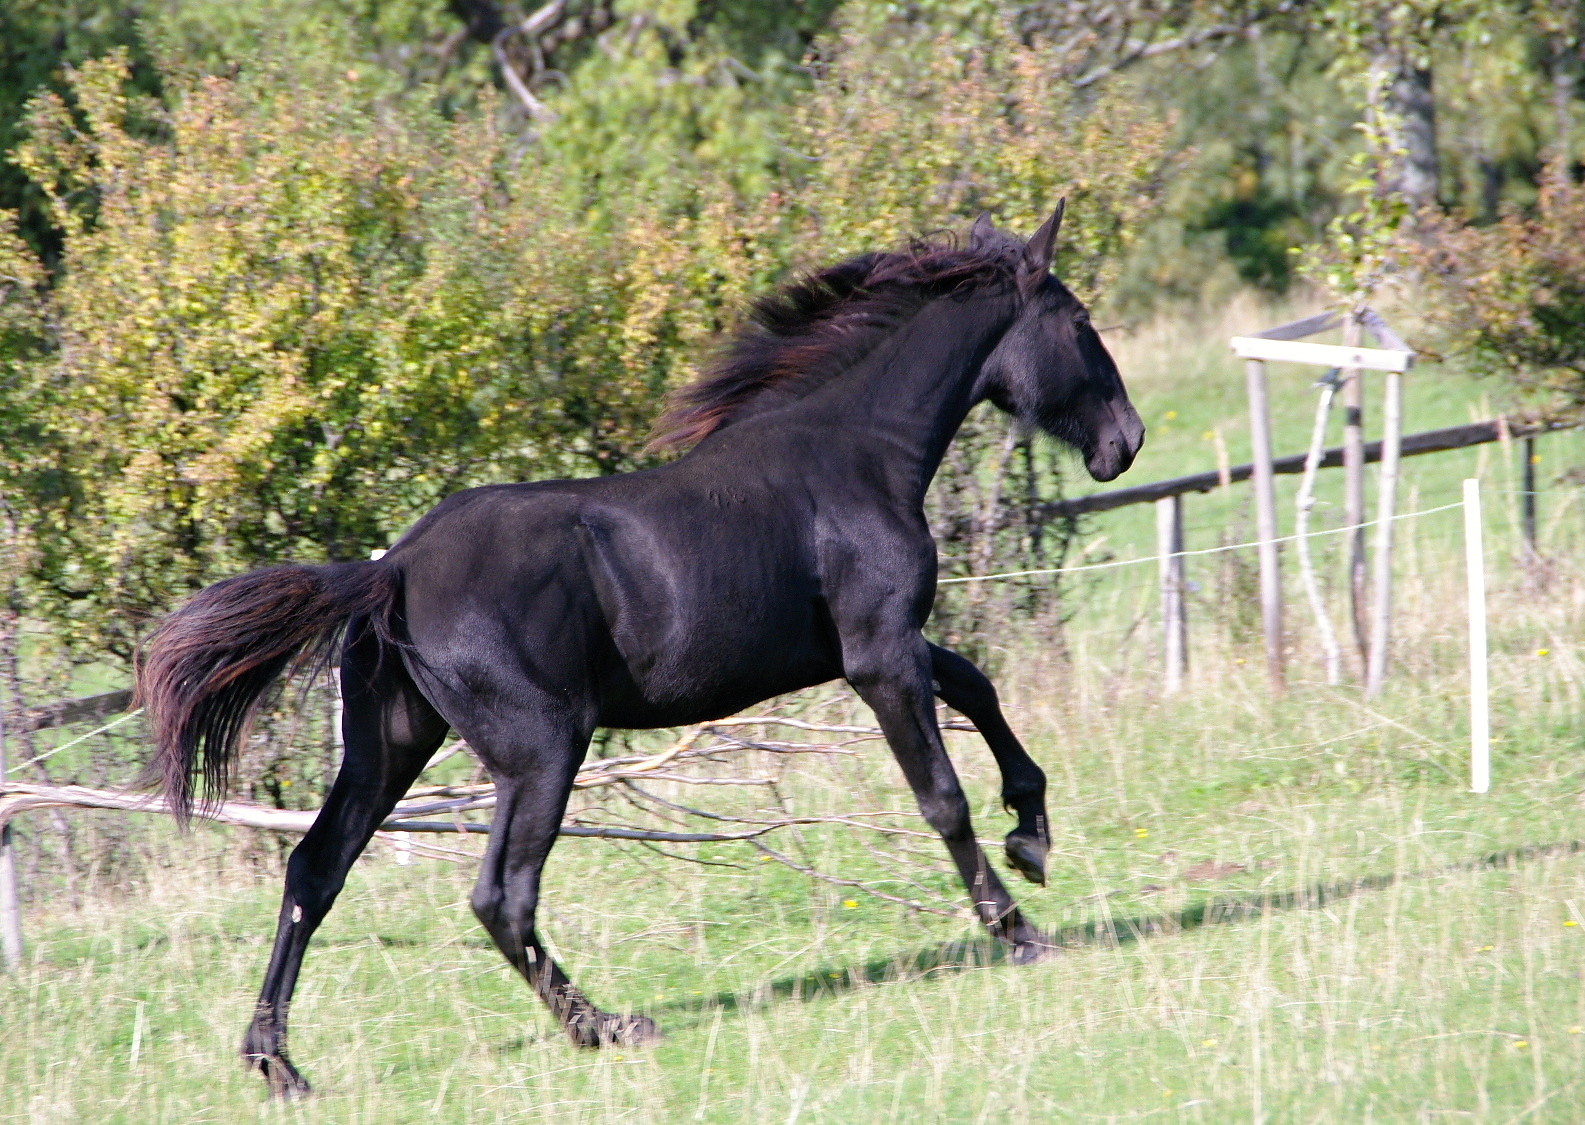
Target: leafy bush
{"type": "Point", "coordinates": [1511, 296]}
{"type": "Point", "coordinates": [289, 321]}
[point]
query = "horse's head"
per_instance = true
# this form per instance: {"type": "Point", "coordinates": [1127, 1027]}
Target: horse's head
{"type": "Point", "coordinates": [1051, 370]}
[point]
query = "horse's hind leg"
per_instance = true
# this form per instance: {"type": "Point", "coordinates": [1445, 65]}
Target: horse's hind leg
{"type": "Point", "coordinates": [967, 690]}
{"type": "Point", "coordinates": [533, 770]}
{"type": "Point", "coordinates": [389, 732]}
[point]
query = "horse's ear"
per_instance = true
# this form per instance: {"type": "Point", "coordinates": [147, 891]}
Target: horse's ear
{"type": "Point", "coordinates": [1040, 249]}
{"type": "Point", "coordinates": [982, 231]}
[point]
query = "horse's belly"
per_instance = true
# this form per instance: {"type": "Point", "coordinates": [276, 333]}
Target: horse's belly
{"type": "Point", "coordinates": [716, 672]}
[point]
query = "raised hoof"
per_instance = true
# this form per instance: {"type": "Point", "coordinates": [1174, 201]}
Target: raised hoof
{"type": "Point", "coordinates": [1027, 856]}
{"type": "Point", "coordinates": [605, 1030]}
{"type": "Point", "coordinates": [1032, 952]}
{"type": "Point", "coordinates": [285, 1082]}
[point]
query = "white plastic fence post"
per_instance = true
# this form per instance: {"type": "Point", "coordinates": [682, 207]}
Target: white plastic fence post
{"type": "Point", "coordinates": [1174, 621]}
{"type": "Point", "coordinates": [1479, 712]}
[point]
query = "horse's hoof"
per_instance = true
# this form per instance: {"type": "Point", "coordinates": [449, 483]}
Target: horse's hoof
{"type": "Point", "coordinates": [1032, 952]}
{"type": "Point", "coordinates": [605, 1030]}
{"type": "Point", "coordinates": [1027, 855]}
{"type": "Point", "coordinates": [285, 1083]}
{"type": "Point", "coordinates": [633, 1031]}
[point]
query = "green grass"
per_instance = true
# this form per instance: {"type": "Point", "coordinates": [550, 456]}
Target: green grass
{"type": "Point", "coordinates": [1279, 911]}
{"type": "Point", "coordinates": [1326, 929]}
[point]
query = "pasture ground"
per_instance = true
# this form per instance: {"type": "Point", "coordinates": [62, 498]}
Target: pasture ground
{"type": "Point", "coordinates": [1288, 911]}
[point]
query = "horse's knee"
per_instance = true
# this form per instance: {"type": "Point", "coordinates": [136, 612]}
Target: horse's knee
{"type": "Point", "coordinates": [947, 811]}
{"type": "Point", "coordinates": [498, 907]}
{"type": "Point", "coordinates": [489, 905]}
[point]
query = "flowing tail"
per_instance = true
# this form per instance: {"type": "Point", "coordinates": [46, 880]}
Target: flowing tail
{"type": "Point", "coordinates": [205, 671]}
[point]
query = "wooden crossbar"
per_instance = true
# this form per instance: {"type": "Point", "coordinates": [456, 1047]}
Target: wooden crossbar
{"type": "Point", "coordinates": [1321, 355]}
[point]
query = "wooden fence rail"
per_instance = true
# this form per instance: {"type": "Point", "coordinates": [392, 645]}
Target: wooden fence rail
{"type": "Point", "coordinates": [1429, 441]}
{"type": "Point", "coordinates": [1168, 495]}
{"type": "Point", "coordinates": [64, 711]}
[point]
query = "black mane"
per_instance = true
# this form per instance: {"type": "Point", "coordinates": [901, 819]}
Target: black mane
{"type": "Point", "coordinates": [817, 325]}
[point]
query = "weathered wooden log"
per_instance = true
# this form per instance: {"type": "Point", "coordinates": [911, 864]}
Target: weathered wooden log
{"type": "Point", "coordinates": [20, 797]}
{"type": "Point", "coordinates": [1386, 509]}
{"type": "Point", "coordinates": [1354, 496]}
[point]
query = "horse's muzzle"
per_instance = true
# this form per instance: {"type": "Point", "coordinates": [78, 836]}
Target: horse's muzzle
{"type": "Point", "coordinates": [1117, 442]}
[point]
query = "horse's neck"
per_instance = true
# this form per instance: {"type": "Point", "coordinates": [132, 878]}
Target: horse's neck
{"type": "Point", "coordinates": [905, 401]}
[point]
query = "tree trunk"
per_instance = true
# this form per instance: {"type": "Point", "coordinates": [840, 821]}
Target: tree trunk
{"type": "Point", "coordinates": [1562, 99]}
{"type": "Point", "coordinates": [1409, 120]}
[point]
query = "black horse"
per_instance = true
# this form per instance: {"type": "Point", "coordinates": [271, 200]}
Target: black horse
{"type": "Point", "coordinates": [787, 548]}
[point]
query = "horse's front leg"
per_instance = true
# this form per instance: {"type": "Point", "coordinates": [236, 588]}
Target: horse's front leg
{"type": "Point", "coordinates": [893, 677]}
{"type": "Point", "coordinates": [967, 690]}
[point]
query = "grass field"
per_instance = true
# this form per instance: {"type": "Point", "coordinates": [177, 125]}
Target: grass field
{"type": "Point", "coordinates": [1270, 911]}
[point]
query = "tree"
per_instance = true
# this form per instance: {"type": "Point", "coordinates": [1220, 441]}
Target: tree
{"type": "Point", "coordinates": [1510, 297]}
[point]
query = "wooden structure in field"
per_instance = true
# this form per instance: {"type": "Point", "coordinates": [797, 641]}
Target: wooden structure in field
{"type": "Point", "coordinates": [1288, 343]}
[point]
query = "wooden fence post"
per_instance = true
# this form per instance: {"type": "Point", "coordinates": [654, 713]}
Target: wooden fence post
{"type": "Point", "coordinates": [1386, 509]}
{"type": "Point", "coordinates": [1527, 512]}
{"type": "Point", "coordinates": [1354, 488]}
{"type": "Point", "coordinates": [1266, 521]}
{"type": "Point", "coordinates": [1174, 618]}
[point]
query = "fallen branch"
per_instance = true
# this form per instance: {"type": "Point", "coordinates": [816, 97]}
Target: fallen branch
{"type": "Point", "coordinates": [19, 797]}
{"type": "Point", "coordinates": [439, 809]}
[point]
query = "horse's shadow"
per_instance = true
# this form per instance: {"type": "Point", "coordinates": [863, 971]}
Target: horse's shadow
{"type": "Point", "coordinates": [1215, 910]}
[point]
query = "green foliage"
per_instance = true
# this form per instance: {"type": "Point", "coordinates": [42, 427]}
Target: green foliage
{"type": "Point", "coordinates": [37, 39]}
{"type": "Point", "coordinates": [679, 92]}
{"type": "Point", "coordinates": [1511, 297]}
{"type": "Point", "coordinates": [906, 133]}
{"type": "Point", "coordinates": [295, 322]}
{"type": "Point", "coordinates": [1260, 138]}
{"type": "Point", "coordinates": [1361, 249]}
{"type": "Point", "coordinates": [23, 346]}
